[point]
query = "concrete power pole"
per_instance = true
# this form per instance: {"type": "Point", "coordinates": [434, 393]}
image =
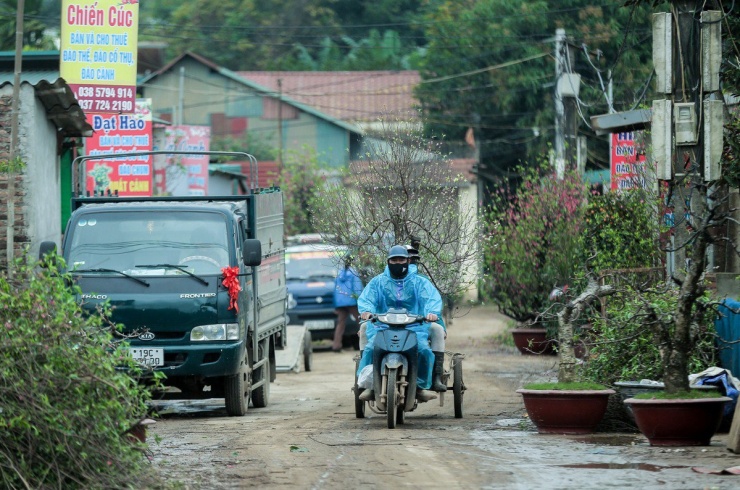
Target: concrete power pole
{"type": "Point", "coordinates": [559, 107]}
{"type": "Point", "coordinates": [567, 85]}
{"type": "Point", "coordinates": [687, 121]}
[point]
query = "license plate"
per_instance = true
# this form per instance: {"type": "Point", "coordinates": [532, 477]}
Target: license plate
{"type": "Point", "coordinates": [319, 324]}
{"type": "Point", "coordinates": [148, 357]}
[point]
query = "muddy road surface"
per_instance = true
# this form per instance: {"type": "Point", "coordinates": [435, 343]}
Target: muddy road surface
{"type": "Point", "coordinates": [309, 437]}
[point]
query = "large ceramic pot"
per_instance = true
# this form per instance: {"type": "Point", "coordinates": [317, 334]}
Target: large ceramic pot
{"type": "Point", "coordinates": [566, 411]}
{"type": "Point", "coordinates": [683, 422]}
{"type": "Point", "coordinates": [630, 389]}
{"type": "Point", "coordinates": [533, 341]}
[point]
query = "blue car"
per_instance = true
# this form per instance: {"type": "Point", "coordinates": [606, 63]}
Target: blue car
{"type": "Point", "coordinates": [310, 271]}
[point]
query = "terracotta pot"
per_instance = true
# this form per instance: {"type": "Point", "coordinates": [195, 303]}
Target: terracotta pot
{"type": "Point", "coordinates": [533, 341]}
{"type": "Point", "coordinates": [678, 422]}
{"type": "Point", "coordinates": [566, 411]}
{"type": "Point", "coordinates": [630, 389]}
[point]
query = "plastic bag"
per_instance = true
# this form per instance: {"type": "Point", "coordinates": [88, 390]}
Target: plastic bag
{"type": "Point", "coordinates": [365, 378]}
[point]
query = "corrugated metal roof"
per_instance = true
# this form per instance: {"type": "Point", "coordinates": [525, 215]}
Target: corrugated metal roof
{"type": "Point", "coordinates": [310, 109]}
{"type": "Point", "coordinates": [61, 106]}
{"type": "Point", "coordinates": [33, 76]}
{"type": "Point", "coordinates": [345, 95]}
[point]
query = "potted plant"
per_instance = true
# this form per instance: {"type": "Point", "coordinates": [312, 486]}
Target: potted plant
{"type": "Point", "coordinates": [569, 406]}
{"type": "Point", "coordinates": [678, 416]}
{"type": "Point", "coordinates": [614, 231]}
{"type": "Point", "coordinates": [677, 312]}
{"type": "Point", "coordinates": [626, 354]}
{"type": "Point", "coordinates": [531, 246]}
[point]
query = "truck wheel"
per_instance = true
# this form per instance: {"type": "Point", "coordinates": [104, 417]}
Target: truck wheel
{"type": "Point", "coordinates": [237, 390]}
{"type": "Point", "coordinates": [261, 394]}
{"type": "Point", "coordinates": [391, 401]}
{"type": "Point", "coordinates": [307, 351]}
{"type": "Point", "coordinates": [458, 387]}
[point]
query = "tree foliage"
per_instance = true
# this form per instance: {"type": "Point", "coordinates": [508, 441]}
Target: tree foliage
{"type": "Point", "coordinates": [35, 25]}
{"type": "Point", "coordinates": [65, 404]}
{"type": "Point", "coordinates": [404, 187]}
{"type": "Point", "coordinates": [301, 180]}
{"type": "Point", "coordinates": [287, 34]}
{"type": "Point", "coordinates": [483, 70]}
{"type": "Point", "coordinates": [375, 52]}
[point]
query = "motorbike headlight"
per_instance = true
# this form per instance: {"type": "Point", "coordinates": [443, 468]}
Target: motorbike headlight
{"type": "Point", "coordinates": [292, 303]}
{"type": "Point", "coordinates": [395, 318]}
{"type": "Point", "coordinates": [220, 331]}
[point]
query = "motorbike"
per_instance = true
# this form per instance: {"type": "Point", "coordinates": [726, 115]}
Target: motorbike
{"type": "Point", "coordinates": [394, 370]}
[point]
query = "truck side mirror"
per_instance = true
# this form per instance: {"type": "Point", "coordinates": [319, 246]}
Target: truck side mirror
{"type": "Point", "coordinates": [252, 252]}
{"type": "Point", "coordinates": [47, 250]}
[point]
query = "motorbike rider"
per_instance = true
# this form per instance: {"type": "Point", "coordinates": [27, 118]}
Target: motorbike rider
{"type": "Point", "coordinates": [399, 286]}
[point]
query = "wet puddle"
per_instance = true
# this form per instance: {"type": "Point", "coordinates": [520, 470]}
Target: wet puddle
{"type": "Point", "coordinates": [619, 466]}
{"type": "Point", "coordinates": [611, 440]}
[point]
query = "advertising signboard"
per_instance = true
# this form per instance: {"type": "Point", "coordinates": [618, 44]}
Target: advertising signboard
{"type": "Point", "coordinates": [627, 162]}
{"type": "Point", "coordinates": [98, 53]}
{"type": "Point", "coordinates": [120, 133]}
{"type": "Point", "coordinates": [183, 175]}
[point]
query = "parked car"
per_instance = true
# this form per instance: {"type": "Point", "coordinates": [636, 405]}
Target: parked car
{"type": "Point", "coordinates": [310, 271]}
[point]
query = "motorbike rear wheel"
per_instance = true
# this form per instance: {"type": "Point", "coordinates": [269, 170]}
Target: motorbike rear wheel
{"type": "Point", "coordinates": [457, 386]}
{"type": "Point", "coordinates": [391, 401]}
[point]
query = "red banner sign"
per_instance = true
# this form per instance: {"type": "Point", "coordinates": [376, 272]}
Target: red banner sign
{"type": "Point", "coordinates": [120, 133]}
{"type": "Point", "coordinates": [627, 162]}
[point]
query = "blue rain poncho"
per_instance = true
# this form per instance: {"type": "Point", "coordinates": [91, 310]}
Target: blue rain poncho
{"type": "Point", "coordinates": [347, 287]}
{"type": "Point", "coordinates": [418, 296]}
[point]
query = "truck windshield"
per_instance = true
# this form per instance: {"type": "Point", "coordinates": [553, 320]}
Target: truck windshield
{"type": "Point", "coordinates": [133, 241]}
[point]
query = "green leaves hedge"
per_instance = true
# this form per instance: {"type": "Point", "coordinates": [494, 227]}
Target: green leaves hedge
{"type": "Point", "coordinates": [68, 391]}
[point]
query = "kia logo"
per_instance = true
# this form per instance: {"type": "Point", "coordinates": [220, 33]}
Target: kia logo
{"type": "Point", "coordinates": [146, 336]}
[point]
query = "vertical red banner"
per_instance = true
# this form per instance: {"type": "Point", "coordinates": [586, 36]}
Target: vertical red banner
{"type": "Point", "coordinates": [627, 163]}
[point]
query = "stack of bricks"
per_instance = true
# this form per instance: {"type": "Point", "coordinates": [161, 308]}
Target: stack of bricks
{"type": "Point", "coordinates": [20, 237]}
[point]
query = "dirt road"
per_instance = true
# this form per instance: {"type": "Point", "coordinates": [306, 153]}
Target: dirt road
{"type": "Point", "coordinates": [308, 437]}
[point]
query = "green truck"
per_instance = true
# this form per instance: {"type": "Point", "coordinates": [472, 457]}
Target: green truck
{"type": "Point", "coordinates": [197, 282]}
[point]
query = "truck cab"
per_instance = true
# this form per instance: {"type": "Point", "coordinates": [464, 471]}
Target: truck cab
{"type": "Point", "coordinates": [197, 282]}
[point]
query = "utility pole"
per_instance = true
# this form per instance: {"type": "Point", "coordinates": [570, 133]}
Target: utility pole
{"type": "Point", "coordinates": [559, 107]}
{"type": "Point", "coordinates": [567, 148]}
{"type": "Point", "coordinates": [687, 120]}
{"type": "Point", "coordinates": [13, 157]}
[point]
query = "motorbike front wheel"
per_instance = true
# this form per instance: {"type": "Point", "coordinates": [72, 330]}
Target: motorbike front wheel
{"type": "Point", "coordinates": [391, 401]}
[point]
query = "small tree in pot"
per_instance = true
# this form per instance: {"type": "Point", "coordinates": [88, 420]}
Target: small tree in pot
{"type": "Point", "coordinates": [532, 242]}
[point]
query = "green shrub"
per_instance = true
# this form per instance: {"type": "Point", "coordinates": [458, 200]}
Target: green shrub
{"type": "Point", "coordinates": [621, 231]}
{"type": "Point", "coordinates": [68, 393]}
{"type": "Point", "coordinates": [624, 347]}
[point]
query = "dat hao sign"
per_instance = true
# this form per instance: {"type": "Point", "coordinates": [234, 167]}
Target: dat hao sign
{"type": "Point", "coordinates": [627, 162]}
{"type": "Point", "coordinates": [98, 53]}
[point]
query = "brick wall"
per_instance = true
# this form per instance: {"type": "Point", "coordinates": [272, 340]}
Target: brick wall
{"type": "Point", "coordinates": [20, 236]}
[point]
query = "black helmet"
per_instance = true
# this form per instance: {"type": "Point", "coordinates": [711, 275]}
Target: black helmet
{"type": "Point", "coordinates": [412, 251]}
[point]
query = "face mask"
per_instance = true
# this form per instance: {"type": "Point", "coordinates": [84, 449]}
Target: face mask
{"type": "Point", "coordinates": [398, 271]}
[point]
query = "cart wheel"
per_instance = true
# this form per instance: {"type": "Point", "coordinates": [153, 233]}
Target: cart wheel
{"type": "Point", "coordinates": [359, 404]}
{"type": "Point", "coordinates": [307, 351]}
{"type": "Point", "coordinates": [457, 386]}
